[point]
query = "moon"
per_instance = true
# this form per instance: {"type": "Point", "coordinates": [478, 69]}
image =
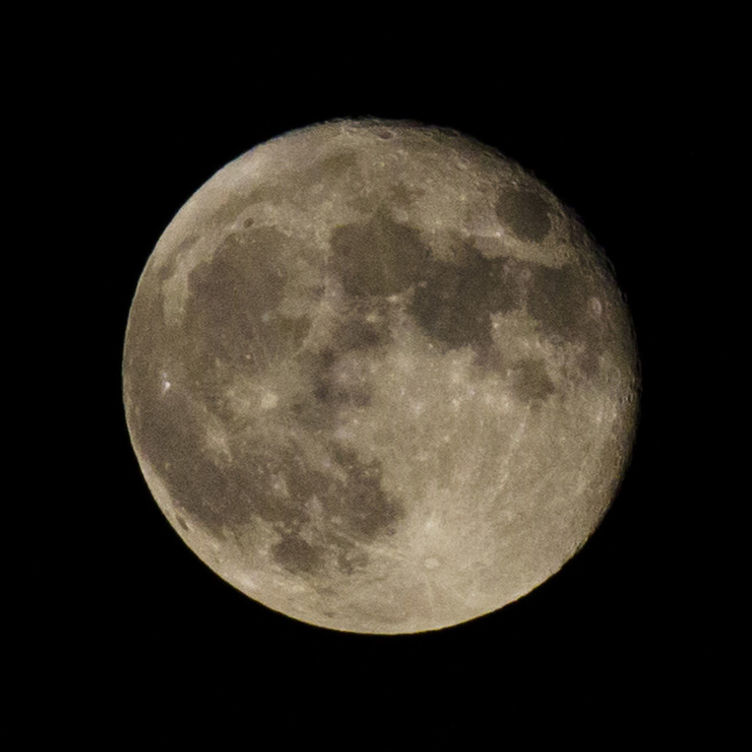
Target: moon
{"type": "Point", "coordinates": [378, 378]}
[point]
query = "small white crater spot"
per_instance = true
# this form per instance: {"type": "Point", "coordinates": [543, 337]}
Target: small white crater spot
{"type": "Point", "coordinates": [165, 383]}
{"type": "Point", "coordinates": [269, 400]}
{"type": "Point", "coordinates": [431, 562]}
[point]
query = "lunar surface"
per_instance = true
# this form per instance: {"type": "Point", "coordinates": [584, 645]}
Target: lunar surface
{"type": "Point", "coordinates": [378, 378]}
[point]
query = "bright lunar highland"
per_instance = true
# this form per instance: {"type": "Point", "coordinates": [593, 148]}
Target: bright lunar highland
{"type": "Point", "coordinates": [378, 378]}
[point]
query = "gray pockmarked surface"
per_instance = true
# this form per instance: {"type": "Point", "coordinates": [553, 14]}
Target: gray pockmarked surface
{"type": "Point", "coordinates": [378, 378]}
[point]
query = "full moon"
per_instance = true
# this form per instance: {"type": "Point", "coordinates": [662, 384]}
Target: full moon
{"type": "Point", "coordinates": [379, 378]}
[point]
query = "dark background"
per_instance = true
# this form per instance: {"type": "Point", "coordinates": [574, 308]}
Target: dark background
{"type": "Point", "coordinates": [616, 643]}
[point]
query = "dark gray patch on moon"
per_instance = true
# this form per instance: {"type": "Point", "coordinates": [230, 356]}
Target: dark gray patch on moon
{"type": "Point", "coordinates": [350, 560]}
{"type": "Point", "coordinates": [167, 427]}
{"type": "Point", "coordinates": [171, 436]}
{"type": "Point", "coordinates": [360, 334]}
{"type": "Point", "coordinates": [379, 257]}
{"type": "Point", "coordinates": [329, 388]}
{"type": "Point", "coordinates": [531, 381]}
{"type": "Point", "coordinates": [525, 213]}
{"type": "Point", "coordinates": [367, 509]}
{"type": "Point", "coordinates": [453, 302]}
{"type": "Point", "coordinates": [296, 555]}
{"type": "Point", "coordinates": [269, 482]}
{"type": "Point", "coordinates": [232, 307]}
{"type": "Point", "coordinates": [558, 299]}
{"type": "Point", "coordinates": [333, 392]}
{"type": "Point", "coordinates": [354, 502]}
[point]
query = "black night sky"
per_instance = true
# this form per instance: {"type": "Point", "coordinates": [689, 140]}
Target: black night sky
{"type": "Point", "coordinates": [161, 648]}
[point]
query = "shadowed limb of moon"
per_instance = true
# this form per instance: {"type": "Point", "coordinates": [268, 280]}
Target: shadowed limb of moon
{"type": "Point", "coordinates": [378, 378]}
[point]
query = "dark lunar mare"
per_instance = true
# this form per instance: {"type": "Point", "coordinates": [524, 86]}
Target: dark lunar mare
{"type": "Point", "coordinates": [231, 312]}
{"type": "Point", "coordinates": [454, 302]}
{"type": "Point", "coordinates": [378, 257]}
{"type": "Point", "coordinates": [352, 502]}
{"type": "Point", "coordinates": [525, 212]}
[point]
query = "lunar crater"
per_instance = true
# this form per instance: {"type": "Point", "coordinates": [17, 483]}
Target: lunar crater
{"type": "Point", "coordinates": [525, 213]}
